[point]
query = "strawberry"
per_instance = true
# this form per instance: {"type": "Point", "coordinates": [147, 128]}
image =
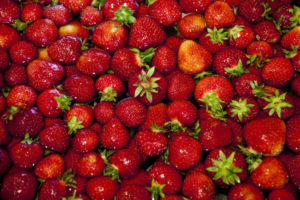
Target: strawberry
{"type": "Point", "coordinates": [112, 8]}
{"type": "Point", "coordinates": [282, 15]}
{"type": "Point", "coordinates": [156, 117]}
{"type": "Point", "coordinates": [258, 53]}
{"type": "Point", "coordinates": [66, 50]}
{"type": "Point", "coordinates": [114, 135]}
{"type": "Point", "coordinates": [80, 185]}
{"type": "Point", "coordinates": [4, 135]}
{"type": "Point", "coordinates": [110, 87]}
{"type": "Point", "coordinates": [198, 186]}
{"type": "Point", "coordinates": [93, 62]}
{"type": "Point", "coordinates": [131, 112]}
{"type": "Point", "coordinates": [191, 26]}
{"type": "Point", "coordinates": [85, 140]}
{"type": "Point", "coordinates": [76, 6]}
{"type": "Point", "coordinates": [104, 111]}
{"type": "Point", "coordinates": [292, 135]}
{"type": "Point", "coordinates": [74, 28]}
{"type": "Point", "coordinates": [214, 39]}
{"type": "Point", "coordinates": [4, 60]}
{"type": "Point", "coordinates": [21, 96]}
{"type": "Point", "coordinates": [15, 75]}
{"type": "Point", "coordinates": [174, 42]}
{"type": "Point", "coordinates": [293, 170]}
{"type": "Point", "coordinates": [164, 60]}
{"type": "Point", "coordinates": [251, 10]}
{"type": "Point", "coordinates": [166, 12]}
{"type": "Point", "coordinates": [145, 33]}
{"type": "Point", "coordinates": [266, 31]}
{"type": "Point", "coordinates": [133, 192]}
{"type": "Point", "coordinates": [102, 187]}
{"type": "Point", "coordinates": [53, 188]}
{"type": "Point", "coordinates": [296, 85]}
{"type": "Point", "coordinates": [29, 120]}
{"type": "Point", "coordinates": [230, 62]}
{"type": "Point", "coordinates": [184, 152]}
{"type": "Point", "coordinates": [54, 121]}
{"type": "Point", "coordinates": [280, 194]}
{"type": "Point", "coordinates": [243, 84]}
{"type": "Point", "coordinates": [71, 159]}
{"type": "Point", "coordinates": [226, 167]}
{"type": "Point", "coordinates": [8, 36]}
{"type": "Point", "coordinates": [51, 166]}
{"type": "Point", "coordinates": [90, 165]}
{"type": "Point", "coordinates": [5, 161]}
{"type": "Point", "coordinates": [149, 87]}
{"type": "Point", "coordinates": [142, 10]}
{"type": "Point", "coordinates": [291, 38]}
{"type": "Point", "coordinates": [42, 32]}
{"type": "Point", "coordinates": [90, 16]}
{"type": "Point", "coordinates": [265, 136]}
{"type": "Point", "coordinates": [219, 14]}
{"type": "Point", "coordinates": [10, 11]}
{"type": "Point", "coordinates": [24, 182]}
{"type": "Point", "coordinates": [180, 87]}
{"type": "Point", "coordinates": [59, 14]}
{"type": "Point", "coordinates": [194, 6]}
{"type": "Point", "coordinates": [139, 179]}
{"type": "Point", "coordinates": [240, 36]}
{"type": "Point", "coordinates": [23, 52]}
{"type": "Point", "coordinates": [32, 12]}
{"type": "Point", "coordinates": [80, 87]}
{"type": "Point", "coordinates": [43, 74]}
{"type": "Point", "coordinates": [245, 191]}
{"type": "Point", "coordinates": [193, 54]}
{"type": "Point", "coordinates": [270, 174]}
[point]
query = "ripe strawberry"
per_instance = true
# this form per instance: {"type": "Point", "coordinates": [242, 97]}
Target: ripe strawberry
{"type": "Point", "coordinates": [32, 12]}
{"type": "Point", "coordinates": [76, 6]}
{"type": "Point", "coordinates": [114, 135]}
{"type": "Point", "coordinates": [251, 10]}
{"type": "Point", "coordinates": [131, 112]}
{"type": "Point", "coordinates": [8, 36]}
{"type": "Point", "coordinates": [53, 188]}
{"type": "Point", "coordinates": [110, 87]}
{"type": "Point", "coordinates": [282, 15]}
{"type": "Point", "coordinates": [79, 183]}
{"type": "Point", "coordinates": [242, 84]}
{"type": "Point", "coordinates": [104, 111]}
{"type": "Point", "coordinates": [174, 42]}
{"type": "Point", "coordinates": [164, 60]}
{"type": "Point", "coordinates": [59, 14]}
{"type": "Point", "coordinates": [21, 96]}
{"type": "Point", "coordinates": [10, 11]}
{"type": "Point", "coordinates": [230, 62]}
{"type": "Point", "coordinates": [4, 60]}
{"type": "Point", "coordinates": [293, 170]}
{"type": "Point", "coordinates": [93, 62]}
{"type": "Point", "coordinates": [191, 26]}
{"type": "Point", "coordinates": [198, 186]}
{"type": "Point", "coordinates": [156, 117]}
{"type": "Point", "coordinates": [71, 160]}
{"type": "Point", "coordinates": [280, 194]}
{"type": "Point", "coordinates": [240, 36]}
{"type": "Point", "coordinates": [51, 166]}
{"type": "Point", "coordinates": [245, 191]}
{"type": "Point", "coordinates": [133, 192]}
{"type": "Point", "coordinates": [293, 134]}
{"type": "Point", "coordinates": [291, 38]}
{"type": "Point", "coordinates": [54, 121]}
{"type": "Point", "coordinates": [5, 161]}
{"type": "Point", "coordinates": [142, 10]}
{"type": "Point", "coordinates": [28, 120]}
{"type": "Point", "coordinates": [21, 185]}
{"type": "Point", "coordinates": [80, 87]}
{"type": "Point", "coordinates": [85, 140]}
{"type": "Point", "coordinates": [102, 187]}
{"type": "Point", "coordinates": [90, 165]}
{"type": "Point", "coordinates": [194, 6]}
{"type": "Point", "coordinates": [43, 74]}
{"type": "Point", "coordinates": [72, 70]}
{"type": "Point", "coordinates": [184, 152]}
{"type": "Point", "coordinates": [270, 174]}
{"type": "Point", "coordinates": [296, 85]}
{"type": "Point", "coordinates": [266, 31]}
{"type": "Point", "coordinates": [214, 39]}
{"type": "Point", "coordinates": [258, 53]}
{"type": "Point", "coordinates": [74, 28]}
{"type": "Point", "coordinates": [90, 16]}
{"type": "Point", "coordinates": [180, 87]}
{"type": "Point", "coordinates": [42, 32]}
{"type": "Point", "coordinates": [23, 52]}
{"type": "Point", "coordinates": [265, 136]}
{"type": "Point", "coordinates": [166, 12]}
{"type": "Point", "coordinates": [111, 8]}
{"type": "Point", "coordinates": [139, 179]}
{"type": "Point", "coordinates": [219, 14]}
{"type": "Point", "coordinates": [226, 167]}
{"type": "Point", "coordinates": [145, 33]}
{"type": "Point", "coordinates": [4, 135]}
{"type": "Point", "coordinates": [148, 87]}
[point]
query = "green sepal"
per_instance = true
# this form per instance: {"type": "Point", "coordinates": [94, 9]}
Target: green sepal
{"type": "Point", "coordinates": [156, 190]}
{"type": "Point", "coordinates": [258, 90]}
{"type": "Point", "coordinates": [28, 140]}
{"type": "Point", "coordinates": [217, 35]}
{"type": "Point", "coordinates": [5, 91]}
{"type": "Point", "coordinates": [150, 2]}
{"type": "Point", "coordinates": [165, 156]}
{"type": "Point", "coordinates": [233, 32]}
{"type": "Point", "coordinates": [174, 126]}
{"type": "Point", "coordinates": [112, 171]}
{"type": "Point", "coordinates": [276, 103]}
{"type": "Point", "coordinates": [240, 108]}
{"type": "Point", "coordinates": [124, 16]}
{"type": "Point", "coordinates": [74, 125]}
{"type": "Point", "coordinates": [144, 57]}
{"type": "Point", "coordinates": [20, 26]}
{"type": "Point", "coordinates": [212, 102]}
{"type": "Point", "coordinates": [253, 159]}
{"type": "Point", "coordinates": [156, 128]}
{"type": "Point", "coordinates": [220, 114]}
{"type": "Point", "coordinates": [64, 102]}
{"type": "Point", "coordinates": [73, 197]}
{"type": "Point", "coordinates": [201, 75]}
{"type": "Point", "coordinates": [68, 178]}
{"type": "Point", "coordinates": [236, 71]}
{"type": "Point", "coordinates": [292, 53]}
{"type": "Point", "coordinates": [256, 60]}
{"type": "Point", "coordinates": [295, 19]}
{"type": "Point", "coordinates": [12, 110]}
{"type": "Point", "coordinates": [267, 12]}
{"type": "Point", "coordinates": [86, 44]}
{"type": "Point", "coordinates": [98, 3]}
{"type": "Point", "coordinates": [108, 94]}
{"type": "Point", "coordinates": [196, 130]}
{"type": "Point", "coordinates": [224, 169]}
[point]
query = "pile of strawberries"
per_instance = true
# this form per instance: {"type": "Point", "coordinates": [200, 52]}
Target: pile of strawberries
{"type": "Point", "coordinates": [149, 100]}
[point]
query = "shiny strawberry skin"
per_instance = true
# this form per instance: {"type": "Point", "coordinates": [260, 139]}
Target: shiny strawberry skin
{"type": "Point", "coordinates": [293, 169]}
{"type": "Point", "coordinates": [266, 31]}
{"type": "Point", "coordinates": [76, 6]}
{"type": "Point", "coordinates": [110, 80]}
{"type": "Point", "coordinates": [10, 11]}
{"type": "Point", "coordinates": [156, 114]}
{"type": "Point", "coordinates": [102, 187]}
{"type": "Point", "coordinates": [194, 6]}
{"type": "Point", "coordinates": [164, 60]}
{"type": "Point", "coordinates": [111, 6]}
{"type": "Point", "coordinates": [251, 10]}
{"type": "Point", "coordinates": [104, 111]}
{"type": "Point", "coordinates": [191, 26]}
{"type": "Point", "coordinates": [9, 35]}
{"type": "Point", "coordinates": [59, 14]}
{"type": "Point", "coordinates": [85, 140]}
{"type": "Point", "coordinates": [245, 190]}
{"type": "Point", "coordinates": [51, 166]}
{"type": "Point", "coordinates": [74, 28]}
{"type": "Point", "coordinates": [291, 38]}
{"type": "Point", "coordinates": [53, 188]}
{"type": "Point", "coordinates": [133, 192]}
{"type": "Point", "coordinates": [21, 96]}
{"type": "Point", "coordinates": [23, 52]}
{"type": "Point", "coordinates": [293, 133]}
{"type": "Point", "coordinates": [90, 165]}
{"type": "Point", "coordinates": [83, 113]}
{"type": "Point", "coordinates": [32, 12]}
{"type": "Point", "coordinates": [242, 84]}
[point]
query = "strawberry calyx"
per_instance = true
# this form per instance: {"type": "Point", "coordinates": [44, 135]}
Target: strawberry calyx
{"type": "Point", "coordinates": [110, 170]}
{"type": "Point", "coordinates": [124, 16]}
{"type": "Point", "coordinates": [150, 2]}
{"type": "Point", "coordinates": [86, 43]}
{"type": "Point", "coordinates": [157, 129]}
{"type": "Point", "coordinates": [292, 53]}
{"type": "Point", "coordinates": [240, 108]}
{"type": "Point", "coordinates": [196, 130]}
{"type": "Point", "coordinates": [213, 105]}
{"type": "Point", "coordinates": [63, 102]}
{"type": "Point", "coordinates": [201, 75]}
{"type": "Point", "coordinates": [147, 84]}
{"type": "Point", "coordinates": [156, 190]}
{"type": "Point", "coordinates": [20, 26]}
{"type": "Point", "coordinates": [256, 60]}
{"type": "Point", "coordinates": [224, 169]}
{"type": "Point", "coordinates": [98, 3]}
{"type": "Point", "coordinates": [276, 103]}
{"type": "Point", "coordinates": [108, 94]}
{"type": "Point", "coordinates": [144, 58]}
{"type": "Point", "coordinates": [5, 91]}
{"type": "Point", "coordinates": [258, 90]}
{"type": "Point", "coordinates": [237, 70]}
{"type": "Point", "coordinates": [74, 125]}
{"type": "Point", "coordinates": [68, 178]}
{"type": "Point", "coordinates": [234, 31]}
{"type": "Point", "coordinates": [295, 19]}
{"type": "Point", "coordinates": [217, 35]}
{"type": "Point", "coordinates": [174, 126]}
{"type": "Point", "coordinates": [28, 140]}
{"type": "Point", "coordinates": [73, 197]}
{"type": "Point", "coordinates": [267, 12]}
{"type": "Point", "coordinates": [253, 159]}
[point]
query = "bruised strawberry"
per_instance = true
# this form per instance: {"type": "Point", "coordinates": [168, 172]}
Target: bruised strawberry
{"type": "Point", "coordinates": [75, 6]}
{"type": "Point", "coordinates": [104, 111]}
{"type": "Point", "coordinates": [194, 6]}
{"type": "Point", "coordinates": [90, 16]}
{"type": "Point", "coordinates": [110, 87]}
{"type": "Point", "coordinates": [32, 12]}
{"type": "Point", "coordinates": [245, 191]}
{"type": "Point", "coordinates": [85, 140]}
{"type": "Point", "coordinates": [90, 165]}
{"type": "Point", "coordinates": [191, 26]}
{"type": "Point", "coordinates": [23, 52]}
{"type": "Point", "coordinates": [51, 166]}
{"type": "Point", "coordinates": [59, 14]}
{"type": "Point", "coordinates": [21, 96]}
{"type": "Point", "coordinates": [8, 36]}
{"type": "Point", "coordinates": [102, 187]}
{"type": "Point", "coordinates": [133, 192]}
{"type": "Point", "coordinates": [164, 60]}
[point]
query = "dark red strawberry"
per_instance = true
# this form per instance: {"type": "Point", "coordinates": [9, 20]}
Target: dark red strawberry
{"type": "Point", "coordinates": [293, 133]}
{"type": "Point", "coordinates": [90, 16]}
{"type": "Point", "coordinates": [21, 185]}
{"type": "Point", "coordinates": [8, 36]}
{"type": "Point", "coordinates": [245, 191]}
{"type": "Point", "coordinates": [74, 28]}
{"type": "Point", "coordinates": [90, 165]}
{"type": "Point", "coordinates": [164, 60]}
{"type": "Point", "coordinates": [4, 60]}
{"type": "Point", "coordinates": [172, 197]}
{"type": "Point", "coordinates": [102, 187]}
{"type": "Point", "coordinates": [4, 135]}
{"type": "Point", "coordinates": [266, 31]}
{"type": "Point", "coordinates": [110, 87]}
{"type": "Point", "coordinates": [191, 26]}
{"type": "Point", "coordinates": [32, 12]}
{"type": "Point", "coordinates": [194, 6]}
{"type": "Point", "coordinates": [71, 160]}
{"type": "Point", "coordinates": [10, 11]}
{"type": "Point", "coordinates": [54, 121]}
{"type": "Point", "coordinates": [133, 192]}
{"type": "Point", "coordinates": [280, 194]}
{"type": "Point", "coordinates": [59, 14]}
{"type": "Point", "coordinates": [251, 10]}
{"type": "Point", "coordinates": [80, 185]}
{"type": "Point", "coordinates": [243, 84]}
{"type": "Point", "coordinates": [156, 117]}
{"type": "Point", "coordinates": [76, 6]}
{"type": "Point", "coordinates": [296, 85]}
{"type": "Point", "coordinates": [282, 15]}
{"type": "Point", "coordinates": [5, 161]}
{"type": "Point", "coordinates": [139, 179]}
{"type": "Point", "coordinates": [85, 140]}
{"type": "Point", "coordinates": [51, 166]}
{"type": "Point", "coordinates": [293, 170]}
{"type": "Point", "coordinates": [240, 36]}
{"type": "Point", "coordinates": [104, 111]}
{"type": "Point", "coordinates": [23, 52]}
{"type": "Point", "coordinates": [180, 87]}
{"type": "Point", "coordinates": [53, 188]}
{"type": "Point", "coordinates": [174, 42]}
{"type": "Point", "coordinates": [21, 96]}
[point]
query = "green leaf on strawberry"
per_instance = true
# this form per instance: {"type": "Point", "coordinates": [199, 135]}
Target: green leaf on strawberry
{"type": "Point", "coordinates": [28, 140]}
{"type": "Point", "coordinates": [240, 108]}
{"type": "Point", "coordinates": [233, 32]}
{"type": "Point", "coordinates": [237, 70]}
{"type": "Point", "coordinates": [217, 35]}
{"type": "Point", "coordinates": [253, 159]}
{"type": "Point", "coordinates": [296, 16]}
{"type": "Point", "coordinates": [144, 58]}
{"type": "Point", "coordinates": [63, 102]}
{"type": "Point", "coordinates": [73, 197]}
{"type": "Point", "coordinates": [108, 95]}
{"type": "Point", "coordinates": [156, 190]}
{"type": "Point", "coordinates": [124, 16]}
{"type": "Point", "coordinates": [74, 125]}
{"type": "Point", "coordinates": [258, 90]}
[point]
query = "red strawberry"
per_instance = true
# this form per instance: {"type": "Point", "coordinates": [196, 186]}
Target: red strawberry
{"type": "Point", "coordinates": [80, 185]}
{"type": "Point", "coordinates": [4, 60]}
{"type": "Point", "coordinates": [4, 135]}
{"type": "Point", "coordinates": [251, 10]}
{"type": "Point", "coordinates": [282, 15]}
{"type": "Point", "coordinates": [184, 152]}
{"type": "Point", "coordinates": [133, 192]}
{"type": "Point", "coordinates": [258, 53]}
{"type": "Point", "coordinates": [23, 52]}
{"type": "Point", "coordinates": [8, 36]}
{"type": "Point", "coordinates": [111, 7]}
{"type": "Point", "coordinates": [90, 16]}
{"type": "Point", "coordinates": [240, 36]}
{"type": "Point", "coordinates": [291, 38]}
{"type": "Point", "coordinates": [102, 187]}
{"type": "Point", "coordinates": [156, 117]}
{"type": "Point", "coordinates": [90, 165]}
{"type": "Point", "coordinates": [145, 33]}
{"type": "Point", "coordinates": [74, 28]}
{"type": "Point", "coordinates": [59, 14]}
{"type": "Point", "coordinates": [53, 188]}
{"type": "Point", "coordinates": [76, 6]}
{"type": "Point", "coordinates": [51, 166]}
{"type": "Point", "coordinates": [293, 169]}
{"type": "Point", "coordinates": [21, 96]}
{"type": "Point", "coordinates": [180, 87]}
{"type": "Point", "coordinates": [194, 6]}
{"type": "Point", "coordinates": [85, 140]}
{"type": "Point", "coordinates": [164, 60]}
{"type": "Point", "coordinates": [293, 133]}
{"type": "Point", "coordinates": [214, 39]}
{"type": "Point", "coordinates": [54, 121]}
{"type": "Point", "coordinates": [43, 74]}
{"type": "Point", "coordinates": [280, 194]}
{"type": "Point", "coordinates": [266, 31]}
{"type": "Point", "coordinates": [172, 197]}
{"type": "Point", "coordinates": [242, 84]}
{"type": "Point", "coordinates": [71, 160]}
{"type": "Point", "coordinates": [10, 11]}
{"type": "Point", "coordinates": [32, 12]}
{"type": "Point", "coordinates": [110, 87]}
{"type": "Point", "coordinates": [191, 26]}
{"type": "Point", "coordinates": [104, 111]}
{"type": "Point", "coordinates": [114, 135]}
{"type": "Point", "coordinates": [166, 12]}
{"type": "Point", "coordinates": [21, 185]}
{"type": "Point", "coordinates": [93, 62]}
{"type": "Point", "coordinates": [296, 85]}
{"type": "Point", "coordinates": [198, 186]}
{"type": "Point", "coordinates": [80, 87]}
{"type": "Point", "coordinates": [245, 191]}
{"type": "Point", "coordinates": [174, 42]}
{"type": "Point", "coordinates": [139, 179]}
{"type": "Point", "coordinates": [5, 161]}
{"type": "Point", "coordinates": [270, 174]}
{"type": "Point", "coordinates": [42, 32]}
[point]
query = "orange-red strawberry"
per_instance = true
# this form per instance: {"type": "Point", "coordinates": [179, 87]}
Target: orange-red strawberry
{"type": "Point", "coordinates": [59, 14]}
{"type": "Point", "coordinates": [32, 12]}
{"type": "Point", "coordinates": [191, 26]}
{"type": "Point", "coordinates": [193, 58]}
{"type": "Point", "coordinates": [8, 36]}
{"type": "Point", "coordinates": [266, 31]}
{"type": "Point", "coordinates": [110, 87]}
{"type": "Point", "coordinates": [291, 38]}
{"type": "Point", "coordinates": [91, 164]}
{"type": "Point", "coordinates": [9, 11]}
{"type": "Point", "coordinates": [164, 60]}
{"type": "Point", "coordinates": [51, 166]}
{"type": "Point", "coordinates": [23, 52]}
{"type": "Point", "coordinates": [180, 87]}
{"type": "Point", "coordinates": [90, 16]}
{"type": "Point", "coordinates": [74, 28]}
{"type": "Point", "coordinates": [194, 6]}
{"type": "Point", "coordinates": [85, 140]}
{"type": "Point", "coordinates": [102, 187]}
{"type": "Point", "coordinates": [21, 96]}
{"type": "Point", "coordinates": [293, 133]}
{"type": "Point", "coordinates": [104, 111]}
{"type": "Point", "coordinates": [76, 6]}
{"type": "Point", "coordinates": [245, 191]}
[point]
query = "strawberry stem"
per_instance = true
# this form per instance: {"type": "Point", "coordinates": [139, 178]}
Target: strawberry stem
{"type": "Point", "coordinates": [74, 125]}
{"type": "Point", "coordinates": [108, 94]}
{"type": "Point", "coordinates": [28, 140]}
{"type": "Point", "coordinates": [124, 16]}
{"type": "Point", "coordinates": [253, 158]}
{"type": "Point", "coordinates": [217, 35]}
{"type": "Point", "coordinates": [240, 108]}
{"type": "Point", "coordinates": [233, 32]}
{"type": "Point", "coordinates": [156, 190]}
{"type": "Point", "coordinates": [144, 58]}
{"type": "Point", "coordinates": [237, 70]}
{"type": "Point", "coordinates": [63, 102]}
